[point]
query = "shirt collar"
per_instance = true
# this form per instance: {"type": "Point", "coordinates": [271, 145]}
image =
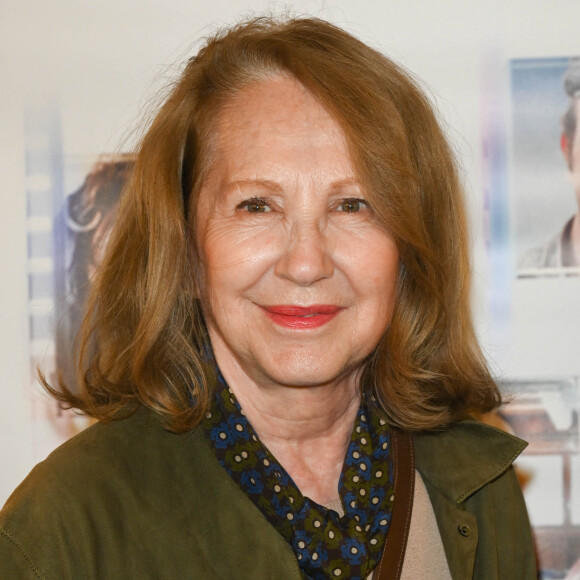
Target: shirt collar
{"type": "Point", "coordinates": [460, 460]}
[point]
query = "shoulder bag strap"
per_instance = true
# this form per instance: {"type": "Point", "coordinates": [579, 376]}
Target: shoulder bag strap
{"type": "Point", "coordinates": [391, 562]}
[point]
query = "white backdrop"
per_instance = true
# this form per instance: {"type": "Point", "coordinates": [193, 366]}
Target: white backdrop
{"type": "Point", "coordinates": [104, 61]}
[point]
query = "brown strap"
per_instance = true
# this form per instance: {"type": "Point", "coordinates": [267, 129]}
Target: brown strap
{"type": "Point", "coordinates": [391, 563]}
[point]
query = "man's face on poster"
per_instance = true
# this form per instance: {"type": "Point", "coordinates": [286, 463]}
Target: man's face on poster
{"type": "Point", "coordinates": [572, 154]}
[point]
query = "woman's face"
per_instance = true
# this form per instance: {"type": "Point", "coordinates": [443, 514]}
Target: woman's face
{"type": "Point", "coordinates": [299, 278]}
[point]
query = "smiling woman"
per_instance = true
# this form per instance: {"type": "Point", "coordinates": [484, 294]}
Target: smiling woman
{"type": "Point", "coordinates": [315, 282]}
{"type": "Point", "coordinates": [278, 344]}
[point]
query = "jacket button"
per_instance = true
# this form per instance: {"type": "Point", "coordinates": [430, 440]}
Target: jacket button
{"type": "Point", "coordinates": [464, 530]}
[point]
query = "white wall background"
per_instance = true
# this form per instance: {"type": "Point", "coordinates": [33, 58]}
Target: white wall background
{"type": "Point", "coordinates": [105, 59]}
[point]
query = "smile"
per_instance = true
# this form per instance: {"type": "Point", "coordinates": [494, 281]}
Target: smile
{"type": "Point", "coordinates": [301, 317]}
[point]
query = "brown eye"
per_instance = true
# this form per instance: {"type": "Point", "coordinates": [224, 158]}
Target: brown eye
{"type": "Point", "coordinates": [255, 206]}
{"type": "Point", "coordinates": [352, 205]}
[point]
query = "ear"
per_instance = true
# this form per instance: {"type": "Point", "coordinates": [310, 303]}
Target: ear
{"type": "Point", "coordinates": [565, 147]}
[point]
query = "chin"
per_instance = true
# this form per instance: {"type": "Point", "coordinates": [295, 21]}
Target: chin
{"type": "Point", "coordinates": [306, 370]}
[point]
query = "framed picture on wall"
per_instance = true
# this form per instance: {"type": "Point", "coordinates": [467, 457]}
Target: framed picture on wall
{"type": "Point", "coordinates": [545, 164]}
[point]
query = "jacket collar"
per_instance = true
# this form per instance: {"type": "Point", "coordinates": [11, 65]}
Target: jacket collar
{"type": "Point", "coordinates": [460, 460]}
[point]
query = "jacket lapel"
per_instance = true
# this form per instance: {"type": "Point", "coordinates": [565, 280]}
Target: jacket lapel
{"type": "Point", "coordinates": [459, 461]}
{"type": "Point", "coordinates": [455, 464]}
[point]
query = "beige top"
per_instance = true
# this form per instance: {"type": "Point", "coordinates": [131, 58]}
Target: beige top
{"type": "Point", "coordinates": [424, 556]}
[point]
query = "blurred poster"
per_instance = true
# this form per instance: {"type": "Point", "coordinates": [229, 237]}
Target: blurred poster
{"type": "Point", "coordinates": [545, 97]}
{"type": "Point", "coordinates": [71, 204]}
{"type": "Point", "coordinates": [545, 413]}
{"type": "Point", "coordinates": [85, 222]}
{"type": "Point", "coordinates": [532, 164]}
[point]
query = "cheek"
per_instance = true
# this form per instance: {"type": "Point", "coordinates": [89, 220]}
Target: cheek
{"type": "Point", "coordinates": [234, 263]}
{"type": "Point", "coordinates": [575, 171]}
{"type": "Point", "coordinates": [378, 272]}
{"type": "Point", "coordinates": [375, 264]}
{"type": "Point", "coordinates": [227, 244]}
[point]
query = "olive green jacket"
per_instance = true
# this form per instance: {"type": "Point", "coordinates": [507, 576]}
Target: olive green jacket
{"type": "Point", "coordinates": [131, 500]}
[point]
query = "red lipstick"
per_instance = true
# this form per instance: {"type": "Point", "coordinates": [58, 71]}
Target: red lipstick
{"type": "Point", "coordinates": [301, 317]}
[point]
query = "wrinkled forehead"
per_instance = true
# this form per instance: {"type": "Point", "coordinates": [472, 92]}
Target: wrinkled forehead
{"type": "Point", "coordinates": [279, 137]}
{"type": "Point", "coordinates": [270, 122]}
{"type": "Point", "coordinates": [273, 116]}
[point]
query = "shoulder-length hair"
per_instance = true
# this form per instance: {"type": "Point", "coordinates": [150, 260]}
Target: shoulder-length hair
{"type": "Point", "coordinates": [144, 342]}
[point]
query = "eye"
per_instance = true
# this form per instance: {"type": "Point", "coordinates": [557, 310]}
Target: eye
{"type": "Point", "coordinates": [352, 205]}
{"type": "Point", "coordinates": [254, 205]}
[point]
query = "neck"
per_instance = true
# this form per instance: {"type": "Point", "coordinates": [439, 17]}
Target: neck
{"type": "Point", "coordinates": [307, 429]}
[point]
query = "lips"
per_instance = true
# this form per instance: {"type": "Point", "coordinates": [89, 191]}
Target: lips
{"type": "Point", "coordinates": [301, 317]}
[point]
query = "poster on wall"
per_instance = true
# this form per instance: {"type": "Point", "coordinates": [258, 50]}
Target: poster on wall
{"type": "Point", "coordinates": [546, 165]}
{"type": "Point", "coordinates": [532, 158]}
{"type": "Point", "coordinates": [71, 203]}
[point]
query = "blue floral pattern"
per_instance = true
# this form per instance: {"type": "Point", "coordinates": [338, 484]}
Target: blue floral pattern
{"type": "Point", "coordinates": [326, 545]}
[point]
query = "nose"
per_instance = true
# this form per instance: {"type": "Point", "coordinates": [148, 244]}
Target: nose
{"type": "Point", "coordinates": [306, 257]}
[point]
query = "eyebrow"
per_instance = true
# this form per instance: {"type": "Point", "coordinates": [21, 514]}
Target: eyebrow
{"type": "Point", "coordinates": [271, 186]}
{"type": "Point", "coordinates": [347, 182]}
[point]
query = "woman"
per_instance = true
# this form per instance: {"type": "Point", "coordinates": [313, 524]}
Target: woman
{"type": "Point", "coordinates": [278, 344]}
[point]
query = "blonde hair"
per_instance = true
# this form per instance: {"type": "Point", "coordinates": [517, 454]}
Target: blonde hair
{"type": "Point", "coordinates": [144, 342]}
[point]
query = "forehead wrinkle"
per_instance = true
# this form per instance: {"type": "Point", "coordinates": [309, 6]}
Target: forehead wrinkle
{"type": "Point", "coordinates": [243, 145]}
{"type": "Point", "coordinates": [270, 186]}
